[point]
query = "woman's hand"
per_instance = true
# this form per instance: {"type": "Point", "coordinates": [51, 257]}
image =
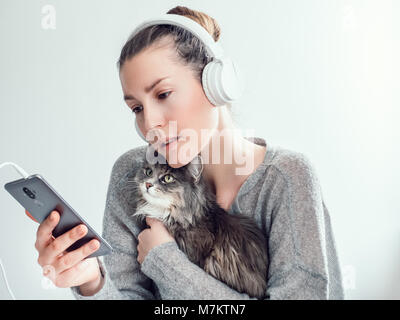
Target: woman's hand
{"type": "Point", "coordinates": [67, 269]}
{"type": "Point", "coordinates": [152, 237]}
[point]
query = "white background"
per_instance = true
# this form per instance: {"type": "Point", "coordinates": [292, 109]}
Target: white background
{"type": "Point", "coordinates": [322, 78]}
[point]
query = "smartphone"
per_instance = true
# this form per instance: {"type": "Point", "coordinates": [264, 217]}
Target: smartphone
{"type": "Point", "coordinates": [39, 199]}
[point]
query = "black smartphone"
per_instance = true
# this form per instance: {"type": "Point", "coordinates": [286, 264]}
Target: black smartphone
{"type": "Point", "coordinates": [39, 198]}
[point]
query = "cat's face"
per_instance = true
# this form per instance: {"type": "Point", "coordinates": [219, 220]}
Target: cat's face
{"type": "Point", "coordinates": [166, 192]}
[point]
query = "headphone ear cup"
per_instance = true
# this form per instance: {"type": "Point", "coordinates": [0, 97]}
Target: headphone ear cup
{"type": "Point", "coordinates": [221, 81]}
{"type": "Point", "coordinates": [139, 132]}
{"type": "Point", "coordinates": [231, 80]}
{"type": "Point", "coordinates": [207, 83]}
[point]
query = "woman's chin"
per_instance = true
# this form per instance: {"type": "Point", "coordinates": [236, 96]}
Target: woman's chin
{"type": "Point", "coordinates": [177, 157]}
{"type": "Point", "coordinates": [177, 162]}
{"type": "Point", "coordinates": [176, 165]}
{"type": "Point", "coordinates": [174, 162]}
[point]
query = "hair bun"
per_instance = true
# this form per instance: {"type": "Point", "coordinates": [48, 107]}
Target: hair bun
{"type": "Point", "coordinates": [207, 22]}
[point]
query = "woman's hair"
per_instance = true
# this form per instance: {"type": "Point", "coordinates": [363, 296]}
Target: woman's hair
{"type": "Point", "coordinates": [190, 50]}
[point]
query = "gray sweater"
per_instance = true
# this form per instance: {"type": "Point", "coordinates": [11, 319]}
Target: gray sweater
{"type": "Point", "coordinates": [283, 196]}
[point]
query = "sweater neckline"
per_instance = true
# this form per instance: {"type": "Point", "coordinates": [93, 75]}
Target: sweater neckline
{"type": "Point", "coordinates": [253, 178]}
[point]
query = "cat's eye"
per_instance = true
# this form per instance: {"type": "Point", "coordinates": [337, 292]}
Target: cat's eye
{"type": "Point", "coordinates": [168, 178]}
{"type": "Point", "coordinates": [148, 172]}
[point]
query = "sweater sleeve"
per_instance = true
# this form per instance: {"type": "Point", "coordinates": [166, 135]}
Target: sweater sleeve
{"type": "Point", "coordinates": [297, 251]}
{"type": "Point", "coordinates": [177, 278]}
{"type": "Point", "coordinates": [298, 268]}
{"type": "Point", "coordinates": [123, 278]}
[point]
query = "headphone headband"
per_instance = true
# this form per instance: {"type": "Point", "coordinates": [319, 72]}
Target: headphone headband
{"type": "Point", "coordinates": [213, 48]}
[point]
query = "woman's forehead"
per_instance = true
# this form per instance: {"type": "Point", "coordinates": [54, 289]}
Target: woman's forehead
{"type": "Point", "coordinates": [150, 62]}
{"type": "Point", "coordinates": [141, 74]}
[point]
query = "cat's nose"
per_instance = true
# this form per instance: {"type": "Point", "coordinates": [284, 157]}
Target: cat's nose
{"type": "Point", "coordinates": [148, 185]}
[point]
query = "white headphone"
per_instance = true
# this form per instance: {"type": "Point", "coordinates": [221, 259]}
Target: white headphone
{"type": "Point", "coordinates": [221, 79]}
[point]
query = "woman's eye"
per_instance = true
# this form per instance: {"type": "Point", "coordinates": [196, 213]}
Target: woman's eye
{"type": "Point", "coordinates": [163, 95]}
{"type": "Point", "coordinates": [148, 172]}
{"type": "Point", "coordinates": [133, 110]}
{"type": "Point", "coordinates": [168, 178]}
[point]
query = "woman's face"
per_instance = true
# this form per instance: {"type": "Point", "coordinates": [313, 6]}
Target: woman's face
{"type": "Point", "coordinates": [179, 97]}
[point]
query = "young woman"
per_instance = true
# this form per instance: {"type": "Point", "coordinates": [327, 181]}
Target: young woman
{"type": "Point", "coordinates": [281, 191]}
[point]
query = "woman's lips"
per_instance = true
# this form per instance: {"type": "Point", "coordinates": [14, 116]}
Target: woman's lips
{"type": "Point", "coordinates": [169, 141]}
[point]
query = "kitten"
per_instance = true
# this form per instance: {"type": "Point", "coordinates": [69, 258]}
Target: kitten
{"type": "Point", "coordinates": [229, 247]}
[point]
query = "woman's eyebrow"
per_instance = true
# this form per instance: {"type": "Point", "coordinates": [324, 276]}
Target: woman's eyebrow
{"type": "Point", "coordinates": [148, 89]}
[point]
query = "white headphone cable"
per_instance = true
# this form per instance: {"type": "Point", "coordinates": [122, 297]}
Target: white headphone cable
{"type": "Point", "coordinates": [5, 280]}
{"type": "Point", "coordinates": [23, 173]}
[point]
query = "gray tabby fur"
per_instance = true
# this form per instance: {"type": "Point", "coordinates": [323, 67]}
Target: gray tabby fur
{"type": "Point", "coordinates": [230, 247]}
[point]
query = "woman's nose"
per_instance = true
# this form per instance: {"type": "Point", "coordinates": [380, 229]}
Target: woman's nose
{"type": "Point", "coordinates": [148, 185]}
{"type": "Point", "coordinates": [153, 119]}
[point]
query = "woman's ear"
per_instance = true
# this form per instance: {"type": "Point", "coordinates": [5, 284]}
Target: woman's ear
{"type": "Point", "coordinates": [196, 167]}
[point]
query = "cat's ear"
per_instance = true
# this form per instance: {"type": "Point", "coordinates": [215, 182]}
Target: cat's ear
{"type": "Point", "coordinates": [196, 168]}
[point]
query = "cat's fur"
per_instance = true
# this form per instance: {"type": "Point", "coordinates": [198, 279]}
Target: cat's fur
{"type": "Point", "coordinates": [230, 247]}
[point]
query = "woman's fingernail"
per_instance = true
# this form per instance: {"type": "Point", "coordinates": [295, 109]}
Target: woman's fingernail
{"type": "Point", "coordinates": [93, 244]}
{"type": "Point", "coordinates": [46, 270]}
{"type": "Point", "coordinates": [81, 230]}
